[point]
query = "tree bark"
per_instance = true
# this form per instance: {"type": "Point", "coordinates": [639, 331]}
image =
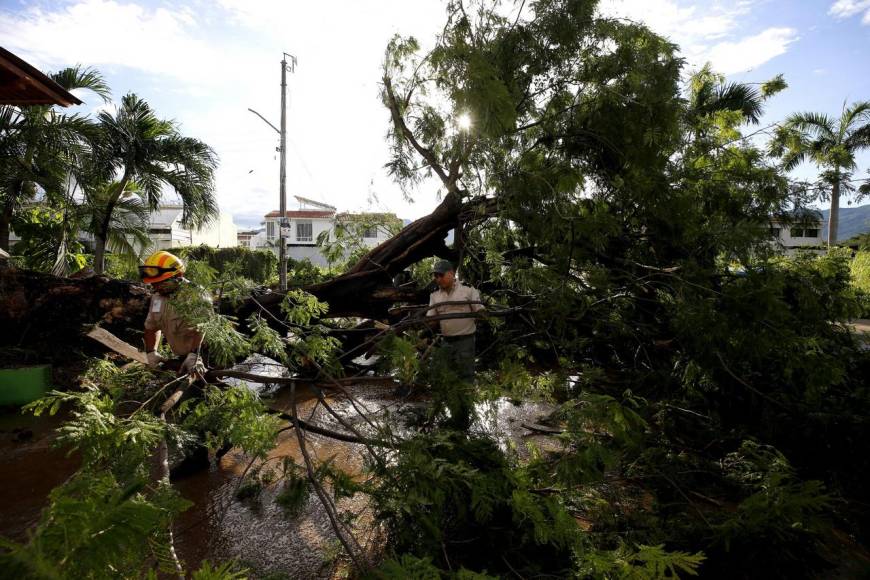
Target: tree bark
{"type": "Point", "coordinates": [102, 235]}
{"type": "Point", "coordinates": [834, 217]}
{"type": "Point", "coordinates": [366, 290]}
{"type": "Point", "coordinates": [47, 313]}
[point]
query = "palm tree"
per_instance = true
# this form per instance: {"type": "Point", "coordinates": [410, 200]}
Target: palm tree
{"type": "Point", "coordinates": [709, 94]}
{"type": "Point", "coordinates": [829, 143]}
{"type": "Point", "coordinates": [138, 146]}
{"type": "Point", "coordinates": [50, 236]}
{"type": "Point", "coordinates": [39, 143]}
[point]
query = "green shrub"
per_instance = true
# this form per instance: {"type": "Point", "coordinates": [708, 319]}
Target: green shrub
{"type": "Point", "coordinates": [257, 265]}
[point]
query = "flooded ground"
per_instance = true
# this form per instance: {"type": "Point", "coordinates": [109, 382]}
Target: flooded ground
{"type": "Point", "coordinates": [256, 531]}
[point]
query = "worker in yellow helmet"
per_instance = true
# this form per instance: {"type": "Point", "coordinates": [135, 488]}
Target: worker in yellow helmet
{"type": "Point", "coordinates": [165, 273]}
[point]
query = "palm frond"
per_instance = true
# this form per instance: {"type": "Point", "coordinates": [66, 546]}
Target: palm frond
{"type": "Point", "coordinates": [79, 77]}
{"type": "Point", "coordinates": [814, 125]}
{"type": "Point", "coordinates": [857, 113]}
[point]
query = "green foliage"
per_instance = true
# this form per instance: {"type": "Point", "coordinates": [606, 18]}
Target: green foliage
{"type": "Point", "coordinates": [266, 340]}
{"type": "Point", "coordinates": [345, 244]}
{"type": "Point", "coordinates": [257, 265]}
{"type": "Point", "coordinates": [400, 358]}
{"type": "Point", "coordinates": [785, 511]}
{"type": "Point", "coordinates": [446, 486]}
{"type": "Point", "coordinates": [41, 230]}
{"type": "Point", "coordinates": [860, 270]}
{"type": "Point", "coordinates": [641, 563]}
{"type": "Point", "coordinates": [293, 495]}
{"type": "Point", "coordinates": [225, 571]}
{"type": "Point", "coordinates": [301, 308]}
{"type": "Point", "coordinates": [95, 527]}
{"type": "Point", "coordinates": [233, 416]}
{"type": "Point", "coordinates": [104, 438]}
{"type": "Point", "coordinates": [303, 272]}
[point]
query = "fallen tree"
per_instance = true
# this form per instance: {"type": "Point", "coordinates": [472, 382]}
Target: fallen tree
{"type": "Point", "coordinates": [42, 309]}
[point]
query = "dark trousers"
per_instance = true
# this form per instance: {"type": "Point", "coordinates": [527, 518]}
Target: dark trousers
{"type": "Point", "coordinates": [461, 353]}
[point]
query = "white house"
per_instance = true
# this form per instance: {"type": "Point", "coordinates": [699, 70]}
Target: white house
{"type": "Point", "coordinates": [252, 239]}
{"type": "Point", "coordinates": [312, 218]}
{"type": "Point", "coordinates": [799, 234]}
{"type": "Point", "coordinates": [166, 230]}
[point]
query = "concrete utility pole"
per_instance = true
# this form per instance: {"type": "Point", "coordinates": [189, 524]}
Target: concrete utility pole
{"type": "Point", "coordinates": [284, 229]}
{"type": "Point", "coordinates": [283, 225]}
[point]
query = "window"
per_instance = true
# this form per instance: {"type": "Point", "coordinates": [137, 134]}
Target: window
{"type": "Point", "coordinates": [270, 230]}
{"type": "Point", "coordinates": [370, 232]}
{"type": "Point", "coordinates": [775, 232]}
{"type": "Point", "coordinates": [304, 232]}
{"type": "Point", "coordinates": [805, 232]}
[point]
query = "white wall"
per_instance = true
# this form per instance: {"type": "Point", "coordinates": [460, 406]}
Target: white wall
{"type": "Point", "coordinates": [318, 226]}
{"type": "Point", "coordinates": [787, 240]}
{"type": "Point", "coordinates": [221, 233]}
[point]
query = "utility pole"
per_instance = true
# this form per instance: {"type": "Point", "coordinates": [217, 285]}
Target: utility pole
{"type": "Point", "coordinates": [284, 226]}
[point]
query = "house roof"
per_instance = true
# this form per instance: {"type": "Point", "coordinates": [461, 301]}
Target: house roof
{"type": "Point", "coordinates": [22, 84]}
{"type": "Point", "coordinates": [314, 202]}
{"type": "Point", "coordinates": [164, 217]}
{"type": "Point", "coordinates": [302, 213]}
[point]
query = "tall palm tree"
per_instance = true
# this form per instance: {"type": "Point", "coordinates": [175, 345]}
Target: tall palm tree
{"type": "Point", "coordinates": [829, 143]}
{"type": "Point", "coordinates": [39, 143]}
{"type": "Point", "coordinates": [138, 146]}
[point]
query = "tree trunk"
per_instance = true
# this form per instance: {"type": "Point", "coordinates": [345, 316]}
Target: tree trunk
{"type": "Point", "coordinates": [834, 217]}
{"type": "Point", "coordinates": [101, 236]}
{"type": "Point", "coordinates": [5, 223]}
{"type": "Point", "coordinates": [43, 312]}
{"type": "Point", "coordinates": [366, 290]}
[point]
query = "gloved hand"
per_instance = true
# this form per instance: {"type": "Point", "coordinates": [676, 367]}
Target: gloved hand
{"type": "Point", "coordinates": [192, 364]}
{"type": "Point", "coordinates": [154, 359]}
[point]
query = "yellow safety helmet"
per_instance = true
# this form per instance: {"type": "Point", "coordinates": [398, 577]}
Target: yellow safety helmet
{"type": "Point", "coordinates": [161, 266]}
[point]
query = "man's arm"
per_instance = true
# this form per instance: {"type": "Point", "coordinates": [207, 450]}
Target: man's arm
{"type": "Point", "coordinates": [152, 338]}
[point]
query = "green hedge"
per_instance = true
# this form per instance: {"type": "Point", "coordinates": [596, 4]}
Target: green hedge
{"type": "Point", "coordinates": [257, 265]}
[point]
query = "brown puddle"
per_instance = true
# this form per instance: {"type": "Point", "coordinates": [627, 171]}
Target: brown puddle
{"type": "Point", "coordinates": [32, 467]}
{"type": "Point", "coordinates": [255, 531]}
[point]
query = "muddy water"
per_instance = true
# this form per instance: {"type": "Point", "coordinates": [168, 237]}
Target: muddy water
{"type": "Point", "coordinates": [256, 531]}
{"type": "Point", "coordinates": [32, 467]}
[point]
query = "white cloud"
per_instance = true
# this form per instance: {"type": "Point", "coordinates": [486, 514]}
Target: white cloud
{"type": "Point", "coordinates": [705, 32]}
{"type": "Point", "coordinates": [159, 41]}
{"type": "Point", "coordinates": [751, 51]}
{"type": "Point", "coordinates": [848, 8]}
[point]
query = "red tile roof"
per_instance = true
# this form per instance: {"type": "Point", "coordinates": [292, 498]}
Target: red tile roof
{"type": "Point", "coordinates": [303, 213]}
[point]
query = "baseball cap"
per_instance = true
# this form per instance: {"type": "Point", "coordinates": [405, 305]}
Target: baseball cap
{"type": "Point", "coordinates": [442, 267]}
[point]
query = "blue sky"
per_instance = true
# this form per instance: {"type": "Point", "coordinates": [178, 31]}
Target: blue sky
{"type": "Point", "coordinates": [204, 63]}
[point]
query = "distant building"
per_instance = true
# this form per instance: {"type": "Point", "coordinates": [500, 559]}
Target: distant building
{"type": "Point", "coordinates": [799, 233]}
{"type": "Point", "coordinates": [252, 239]}
{"type": "Point", "coordinates": [312, 219]}
{"type": "Point", "coordinates": [373, 228]}
{"type": "Point", "coordinates": [166, 230]}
